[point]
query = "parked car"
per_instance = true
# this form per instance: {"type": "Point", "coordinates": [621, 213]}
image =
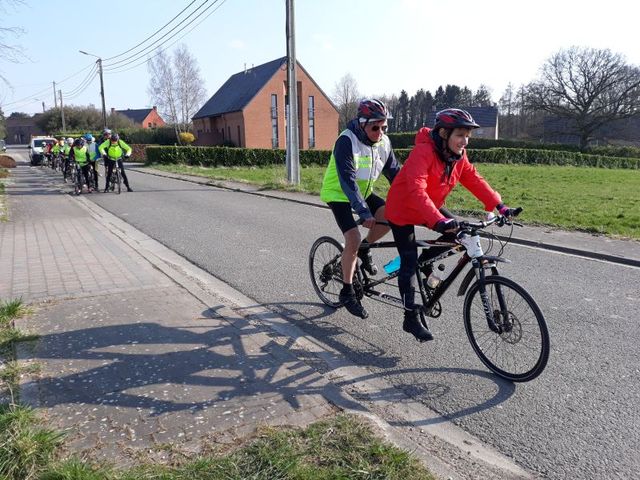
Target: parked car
{"type": "Point", "coordinates": [35, 148]}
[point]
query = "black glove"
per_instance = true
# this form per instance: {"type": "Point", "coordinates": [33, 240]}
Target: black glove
{"type": "Point", "coordinates": [508, 212]}
{"type": "Point", "coordinates": [446, 224]}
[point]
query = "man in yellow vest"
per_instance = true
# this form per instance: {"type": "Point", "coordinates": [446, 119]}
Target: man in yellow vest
{"type": "Point", "coordinates": [360, 155]}
{"type": "Point", "coordinates": [80, 155]}
{"type": "Point", "coordinates": [113, 150]}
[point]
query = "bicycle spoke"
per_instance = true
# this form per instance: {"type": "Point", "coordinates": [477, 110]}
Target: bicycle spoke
{"type": "Point", "coordinates": [520, 351]}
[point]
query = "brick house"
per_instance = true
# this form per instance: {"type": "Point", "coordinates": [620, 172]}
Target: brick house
{"type": "Point", "coordinates": [249, 111]}
{"type": "Point", "coordinates": [142, 117]}
{"type": "Point", "coordinates": [20, 129]}
{"type": "Point", "coordinates": [486, 117]}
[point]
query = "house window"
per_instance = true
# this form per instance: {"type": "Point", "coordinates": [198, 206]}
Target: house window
{"type": "Point", "coordinates": [312, 123]}
{"type": "Point", "coordinates": [229, 132]}
{"type": "Point", "coordinates": [239, 139]}
{"type": "Point", "coordinates": [150, 125]}
{"type": "Point", "coordinates": [274, 120]}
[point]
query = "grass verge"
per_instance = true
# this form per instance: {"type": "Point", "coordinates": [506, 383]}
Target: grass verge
{"type": "Point", "coordinates": [603, 201]}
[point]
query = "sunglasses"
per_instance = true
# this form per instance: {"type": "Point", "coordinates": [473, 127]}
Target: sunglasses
{"type": "Point", "coordinates": [375, 128]}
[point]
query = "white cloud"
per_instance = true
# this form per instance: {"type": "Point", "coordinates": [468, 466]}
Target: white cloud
{"type": "Point", "coordinates": [237, 44]}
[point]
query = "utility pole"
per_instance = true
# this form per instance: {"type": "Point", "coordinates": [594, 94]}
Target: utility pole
{"type": "Point", "coordinates": [104, 108]}
{"type": "Point", "coordinates": [293, 148]}
{"type": "Point", "coordinates": [43, 109]}
{"type": "Point", "coordinates": [55, 97]}
{"type": "Point", "coordinates": [62, 112]}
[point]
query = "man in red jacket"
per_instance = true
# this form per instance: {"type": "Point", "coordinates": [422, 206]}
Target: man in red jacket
{"type": "Point", "coordinates": [435, 165]}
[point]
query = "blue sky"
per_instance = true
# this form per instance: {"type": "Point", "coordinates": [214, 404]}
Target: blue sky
{"type": "Point", "coordinates": [385, 45]}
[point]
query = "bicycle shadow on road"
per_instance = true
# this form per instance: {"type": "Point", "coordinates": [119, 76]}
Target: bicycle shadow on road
{"type": "Point", "coordinates": [419, 384]}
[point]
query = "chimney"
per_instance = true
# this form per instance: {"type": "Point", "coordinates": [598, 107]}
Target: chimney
{"type": "Point", "coordinates": [113, 111]}
{"type": "Point", "coordinates": [155, 109]}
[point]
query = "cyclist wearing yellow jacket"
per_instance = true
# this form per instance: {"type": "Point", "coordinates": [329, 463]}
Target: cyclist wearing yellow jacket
{"type": "Point", "coordinates": [113, 150]}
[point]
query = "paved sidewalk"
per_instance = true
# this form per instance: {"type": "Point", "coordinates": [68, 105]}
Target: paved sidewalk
{"type": "Point", "coordinates": [139, 348]}
{"type": "Point", "coordinates": [130, 359]}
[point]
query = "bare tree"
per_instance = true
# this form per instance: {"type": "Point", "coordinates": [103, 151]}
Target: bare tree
{"type": "Point", "coordinates": [176, 87]}
{"type": "Point", "coordinates": [346, 97]}
{"type": "Point", "coordinates": [587, 87]}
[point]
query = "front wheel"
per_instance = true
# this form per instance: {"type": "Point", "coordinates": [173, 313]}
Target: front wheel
{"type": "Point", "coordinates": [519, 350]}
{"type": "Point", "coordinates": [325, 268]}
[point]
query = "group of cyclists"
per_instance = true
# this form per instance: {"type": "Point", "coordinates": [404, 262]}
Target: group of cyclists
{"type": "Point", "coordinates": [86, 152]}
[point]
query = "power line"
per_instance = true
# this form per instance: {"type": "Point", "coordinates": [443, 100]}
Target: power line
{"type": "Point", "coordinates": [153, 46]}
{"type": "Point", "coordinates": [152, 35]}
{"type": "Point", "coordinates": [22, 100]}
{"type": "Point", "coordinates": [82, 87]}
{"type": "Point", "coordinates": [119, 69]}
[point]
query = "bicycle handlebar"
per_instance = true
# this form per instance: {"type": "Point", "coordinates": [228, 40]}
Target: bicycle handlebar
{"type": "Point", "coordinates": [500, 220]}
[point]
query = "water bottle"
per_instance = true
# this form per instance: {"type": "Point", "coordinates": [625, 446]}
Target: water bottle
{"type": "Point", "coordinates": [392, 266]}
{"type": "Point", "coordinates": [434, 280]}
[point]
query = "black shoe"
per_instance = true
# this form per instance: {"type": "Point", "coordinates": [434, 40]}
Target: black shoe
{"type": "Point", "coordinates": [367, 262]}
{"type": "Point", "coordinates": [413, 326]}
{"type": "Point", "coordinates": [353, 305]}
{"type": "Point", "coordinates": [129, 189]}
{"type": "Point", "coordinates": [106, 190]}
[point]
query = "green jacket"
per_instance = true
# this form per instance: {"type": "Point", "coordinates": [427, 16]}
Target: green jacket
{"type": "Point", "coordinates": [115, 151]}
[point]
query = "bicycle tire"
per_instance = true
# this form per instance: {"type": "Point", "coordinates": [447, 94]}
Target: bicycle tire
{"type": "Point", "coordinates": [499, 351]}
{"type": "Point", "coordinates": [118, 180]}
{"type": "Point", "coordinates": [325, 269]}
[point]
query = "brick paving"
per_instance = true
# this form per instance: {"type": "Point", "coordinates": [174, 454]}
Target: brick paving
{"type": "Point", "coordinates": [128, 358]}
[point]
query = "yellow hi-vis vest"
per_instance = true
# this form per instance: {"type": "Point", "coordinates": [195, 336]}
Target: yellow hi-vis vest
{"type": "Point", "coordinates": [369, 162]}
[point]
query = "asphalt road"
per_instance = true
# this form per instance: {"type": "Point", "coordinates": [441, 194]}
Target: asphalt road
{"type": "Point", "coordinates": [580, 419]}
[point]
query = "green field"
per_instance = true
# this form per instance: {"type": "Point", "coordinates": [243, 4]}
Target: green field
{"type": "Point", "coordinates": [598, 200]}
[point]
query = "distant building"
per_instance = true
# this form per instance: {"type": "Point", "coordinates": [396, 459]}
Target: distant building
{"type": "Point", "coordinates": [142, 117]}
{"type": "Point", "coordinates": [249, 111]}
{"type": "Point", "coordinates": [20, 129]}
{"type": "Point", "coordinates": [486, 117]}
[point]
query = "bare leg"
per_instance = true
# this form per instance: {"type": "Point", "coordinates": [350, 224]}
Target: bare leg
{"type": "Point", "coordinates": [379, 231]}
{"type": "Point", "coordinates": [352, 241]}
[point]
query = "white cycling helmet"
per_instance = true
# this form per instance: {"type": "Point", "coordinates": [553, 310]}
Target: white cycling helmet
{"type": "Point", "coordinates": [70, 141]}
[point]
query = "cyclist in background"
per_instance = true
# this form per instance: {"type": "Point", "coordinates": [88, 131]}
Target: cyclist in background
{"type": "Point", "coordinates": [113, 150]}
{"type": "Point", "coordinates": [94, 156]}
{"type": "Point", "coordinates": [361, 153]}
{"type": "Point", "coordinates": [80, 155]}
{"type": "Point", "coordinates": [66, 150]}
{"type": "Point", "coordinates": [437, 162]}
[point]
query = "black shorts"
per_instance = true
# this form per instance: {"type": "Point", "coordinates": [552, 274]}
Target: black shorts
{"type": "Point", "coordinates": [344, 215]}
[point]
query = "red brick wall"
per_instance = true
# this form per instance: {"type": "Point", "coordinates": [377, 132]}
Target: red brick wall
{"type": "Point", "coordinates": [258, 114]}
{"type": "Point", "coordinates": [154, 119]}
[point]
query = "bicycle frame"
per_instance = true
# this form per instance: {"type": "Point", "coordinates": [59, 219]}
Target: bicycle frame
{"type": "Point", "coordinates": [431, 298]}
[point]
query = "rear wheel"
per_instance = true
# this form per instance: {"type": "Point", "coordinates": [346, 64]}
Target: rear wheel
{"type": "Point", "coordinates": [118, 180]}
{"type": "Point", "coordinates": [519, 350]}
{"type": "Point", "coordinates": [325, 268]}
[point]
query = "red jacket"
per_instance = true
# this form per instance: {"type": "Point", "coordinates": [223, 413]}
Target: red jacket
{"type": "Point", "coordinates": [421, 187]}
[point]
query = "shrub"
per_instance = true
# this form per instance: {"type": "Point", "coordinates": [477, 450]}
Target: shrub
{"type": "Point", "coordinates": [186, 138]}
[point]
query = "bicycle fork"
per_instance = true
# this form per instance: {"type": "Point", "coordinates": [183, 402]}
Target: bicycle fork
{"type": "Point", "coordinates": [486, 301]}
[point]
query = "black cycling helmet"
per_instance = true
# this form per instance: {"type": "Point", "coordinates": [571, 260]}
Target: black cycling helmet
{"type": "Point", "coordinates": [454, 118]}
{"type": "Point", "coordinates": [372, 110]}
{"type": "Point", "coordinates": [115, 137]}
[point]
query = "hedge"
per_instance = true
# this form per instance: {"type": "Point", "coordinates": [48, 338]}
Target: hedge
{"type": "Point", "coordinates": [246, 157]}
{"type": "Point", "coordinates": [155, 136]}
{"type": "Point", "coordinates": [406, 140]}
{"type": "Point", "coordinates": [231, 157]}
